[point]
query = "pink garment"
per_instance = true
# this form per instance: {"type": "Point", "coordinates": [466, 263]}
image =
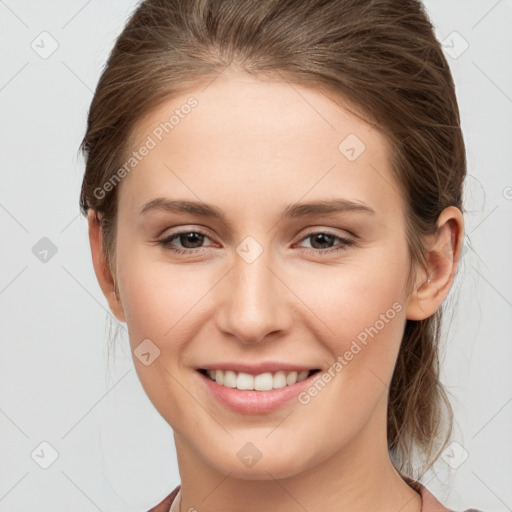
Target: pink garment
{"type": "Point", "coordinates": [428, 501]}
{"type": "Point", "coordinates": [166, 503]}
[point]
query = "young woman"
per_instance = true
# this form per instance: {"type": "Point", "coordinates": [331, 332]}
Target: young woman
{"type": "Point", "coordinates": [274, 197]}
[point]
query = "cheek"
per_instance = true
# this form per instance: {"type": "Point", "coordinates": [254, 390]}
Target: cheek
{"type": "Point", "coordinates": [356, 295]}
{"type": "Point", "coordinates": [365, 316]}
{"type": "Point", "coordinates": [360, 318]}
{"type": "Point", "coordinates": [163, 303]}
{"type": "Point", "coordinates": [159, 298]}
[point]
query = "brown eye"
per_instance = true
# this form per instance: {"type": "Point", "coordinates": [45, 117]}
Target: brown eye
{"type": "Point", "coordinates": [321, 240]}
{"type": "Point", "coordinates": [189, 240]}
{"type": "Point", "coordinates": [184, 241]}
{"type": "Point", "coordinates": [324, 242]}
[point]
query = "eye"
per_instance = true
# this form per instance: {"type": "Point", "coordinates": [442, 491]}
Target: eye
{"type": "Point", "coordinates": [321, 242]}
{"type": "Point", "coordinates": [190, 241]}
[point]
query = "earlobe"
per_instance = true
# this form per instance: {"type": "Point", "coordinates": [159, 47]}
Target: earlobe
{"type": "Point", "coordinates": [434, 282]}
{"type": "Point", "coordinates": [103, 274]}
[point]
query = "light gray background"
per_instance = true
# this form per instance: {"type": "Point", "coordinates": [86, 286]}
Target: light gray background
{"type": "Point", "coordinates": [115, 452]}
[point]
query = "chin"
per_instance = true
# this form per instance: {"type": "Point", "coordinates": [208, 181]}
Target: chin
{"type": "Point", "coordinates": [246, 462]}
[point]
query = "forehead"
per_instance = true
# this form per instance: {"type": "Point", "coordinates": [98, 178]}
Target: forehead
{"type": "Point", "coordinates": [250, 140]}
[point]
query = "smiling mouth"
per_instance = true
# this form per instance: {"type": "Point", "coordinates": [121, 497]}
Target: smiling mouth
{"type": "Point", "coordinates": [261, 382]}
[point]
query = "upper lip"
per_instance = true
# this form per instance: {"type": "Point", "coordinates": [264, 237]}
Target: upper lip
{"type": "Point", "coordinates": [256, 369]}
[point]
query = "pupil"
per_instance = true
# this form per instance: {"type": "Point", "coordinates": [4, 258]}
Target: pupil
{"type": "Point", "coordinates": [322, 236]}
{"type": "Point", "coordinates": [190, 238]}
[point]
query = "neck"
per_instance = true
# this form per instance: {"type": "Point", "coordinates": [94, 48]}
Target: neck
{"type": "Point", "coordinates": [360, 476]}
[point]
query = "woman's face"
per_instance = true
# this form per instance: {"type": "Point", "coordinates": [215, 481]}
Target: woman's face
{"type": "Point", "coordinates": [302, 266]}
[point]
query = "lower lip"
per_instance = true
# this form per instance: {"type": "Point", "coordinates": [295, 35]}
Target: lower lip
{"type": "Point", "coordinates": [255, 402]}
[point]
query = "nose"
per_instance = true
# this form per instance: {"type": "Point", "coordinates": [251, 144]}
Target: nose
{"type": "Point", "coordinates": [253, 305]}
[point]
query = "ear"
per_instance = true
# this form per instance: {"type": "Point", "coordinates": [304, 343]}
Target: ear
{"type": "Point", "coordinates": [103, 274]}
{"type": "Point", "coordinates": [443, 254]}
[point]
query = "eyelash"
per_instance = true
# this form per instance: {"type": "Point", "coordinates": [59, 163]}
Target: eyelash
{"type": "Point", "coordinates": [347, 242]}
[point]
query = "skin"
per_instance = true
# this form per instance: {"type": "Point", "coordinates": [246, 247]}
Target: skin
{"type": "Point", "coordinates": [251, 147]}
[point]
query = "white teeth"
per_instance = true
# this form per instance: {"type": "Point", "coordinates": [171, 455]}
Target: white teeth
{"type": "Point", "coordinates": [262, 382]}
{"type": "Point", "coordinates": [302, 375]}
{"type": "Point", "coordinates": [228, 379]}
{"type": "Point", "coordinates": [291, 378]}
{"type": "Point", "coordinates": [279, 380]}
{"type": "Point", "coordinates": [245, 381]}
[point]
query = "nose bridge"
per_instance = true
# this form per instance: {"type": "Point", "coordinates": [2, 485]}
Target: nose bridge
{"type": "Point", "coordinates": [254, 300]}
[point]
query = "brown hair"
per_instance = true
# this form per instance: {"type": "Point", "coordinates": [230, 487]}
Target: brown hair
{"type": "Point", "coordinates": [382, 58]}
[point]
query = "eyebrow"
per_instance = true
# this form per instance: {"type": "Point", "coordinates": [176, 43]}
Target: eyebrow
{"type": "Point", "coordinates": [296, 210]}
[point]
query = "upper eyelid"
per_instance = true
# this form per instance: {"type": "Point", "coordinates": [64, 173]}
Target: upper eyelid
{"type": "Point", "coordinates": [176, 234]}
{"type": "Point", "coordinates": [300, 238]}
{"type": "Point", "coordinates": [344, 239]}
{"type": "Point", "coordinates": [328, 231]}
{"type": "Point", "coordinates": [184, 231]}
{"type": "Point", "coordinates": [309, 231]}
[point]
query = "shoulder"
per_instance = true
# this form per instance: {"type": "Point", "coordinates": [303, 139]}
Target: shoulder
{"type": "Point", "coordinates": [166, 503]}
{"type": "Point", "coordinates": [429, 503]}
